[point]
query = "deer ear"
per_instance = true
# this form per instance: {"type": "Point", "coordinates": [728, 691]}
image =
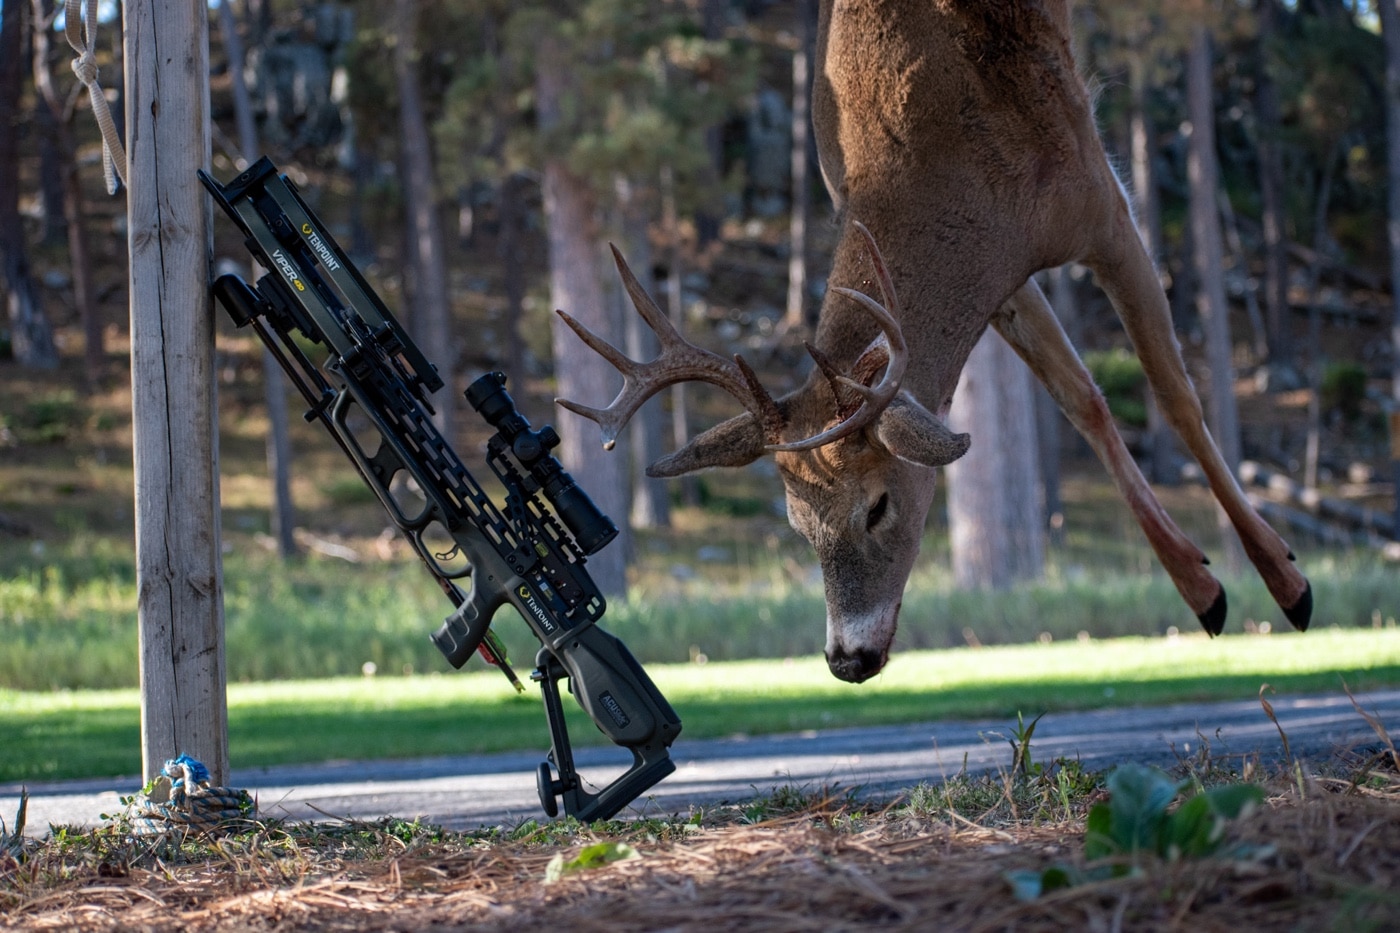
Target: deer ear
{"type": "Point", "coordinates": [912, 432]}
{"type": "Point", "coordinates": [733, 443]}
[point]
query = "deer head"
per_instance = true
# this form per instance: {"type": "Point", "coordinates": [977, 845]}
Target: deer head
{"type": "Point", "coordinates": [856, 455]}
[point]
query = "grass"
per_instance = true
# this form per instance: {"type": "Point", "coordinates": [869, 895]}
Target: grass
{"type": "Point", "coordinates": [68, 620]}
{"type": "Point", "coordinates": [728, 581]}
{"type": "Point", "coordinates": [51, 735]}
{"type": "Point", "coordinates": [1317, 855]}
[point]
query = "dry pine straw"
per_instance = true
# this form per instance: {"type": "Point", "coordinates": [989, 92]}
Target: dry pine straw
{"type": "Point", "coordinates": [1337, 866]}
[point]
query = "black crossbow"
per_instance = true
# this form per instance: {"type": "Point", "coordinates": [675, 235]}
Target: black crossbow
{"type": "Point", "coordinates": [371, 394]}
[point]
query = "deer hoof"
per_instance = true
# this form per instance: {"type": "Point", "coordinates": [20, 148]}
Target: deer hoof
{"type": "Point", "coordinates": [1213, 619]}
{"type": "Point", "coordinates": [1300, 613]}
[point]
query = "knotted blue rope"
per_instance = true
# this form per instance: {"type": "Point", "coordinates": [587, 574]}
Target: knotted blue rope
{"type": "Point", "coordinates": [181, 801]}
{"type": "Point", "coordinates": [178, 769]}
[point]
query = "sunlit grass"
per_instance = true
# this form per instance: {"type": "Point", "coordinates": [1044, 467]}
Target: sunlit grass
{"type": "Point", "coordinates": [46, 735]}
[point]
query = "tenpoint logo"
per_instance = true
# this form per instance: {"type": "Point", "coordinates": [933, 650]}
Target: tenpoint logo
{"type": "Point", "coordinates": [536, 610]}
{"type": "Point", "coordinates": [322, 250]}
{"type": "Point", "coordinates": [614, 708]}
{"type": "Point", "coordinates": [288, 270]}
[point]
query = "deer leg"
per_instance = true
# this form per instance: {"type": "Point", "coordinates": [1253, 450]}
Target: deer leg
{"type": "Point", "coordinates": [1126, 275]}
{"type": "Point", "coordinates": [1028, 324]}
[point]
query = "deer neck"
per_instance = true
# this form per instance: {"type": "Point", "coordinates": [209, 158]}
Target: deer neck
{"type": "Point", "coordinates": [958, 132]}
{"type": "Point", "coordinates": [945, 300]}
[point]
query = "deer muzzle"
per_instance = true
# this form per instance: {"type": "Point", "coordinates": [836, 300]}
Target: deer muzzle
{"type": "Point", "coordinates": [856, 667]}
{"type": "Point", "coordinates": [858, 648]}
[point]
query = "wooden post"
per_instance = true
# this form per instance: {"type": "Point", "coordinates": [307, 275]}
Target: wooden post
{"type": "Point", "coordinates": [1394, 421]}
{"type": "Point", "coordinates": [178, 574]}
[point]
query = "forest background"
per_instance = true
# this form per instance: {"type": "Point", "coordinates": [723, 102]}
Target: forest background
{"type": "Point", "coordinates": [476, 158]}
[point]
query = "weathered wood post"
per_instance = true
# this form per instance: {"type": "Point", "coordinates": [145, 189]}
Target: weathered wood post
{"type": "Point", "coordinates": [179, 579]}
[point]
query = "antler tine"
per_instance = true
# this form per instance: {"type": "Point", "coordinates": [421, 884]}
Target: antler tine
{"type": "Point", "coordinates": [619, 360]}
{"type": "Point", "coordinates": [874, 399]}
{"type": "Point", "coordinates": [833, 375]}
{"type": "Point", "coordinates": [610, 419]}
{"type": "Point", "coordinates": [659, 323]}
{"type": "Point", "coordinates": [679, 361]}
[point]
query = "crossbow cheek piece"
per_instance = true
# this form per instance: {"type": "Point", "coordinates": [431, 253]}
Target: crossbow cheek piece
{"type": "Point", "coordinates": [371, 394]}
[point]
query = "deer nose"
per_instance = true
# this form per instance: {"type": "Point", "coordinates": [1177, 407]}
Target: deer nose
{"type": "Point", "coordinates": [855, 666]}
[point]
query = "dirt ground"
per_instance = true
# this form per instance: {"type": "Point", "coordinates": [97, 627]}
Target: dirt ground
{"type": "Point", "coordinates": [1332, 863]}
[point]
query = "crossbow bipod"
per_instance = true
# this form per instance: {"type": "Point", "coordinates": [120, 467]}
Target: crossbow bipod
{"type": "Point", "coordinates": [529, 554]}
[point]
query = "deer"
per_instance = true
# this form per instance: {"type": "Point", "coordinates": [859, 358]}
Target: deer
{"type": "Point", "coordinates": [957, 141]}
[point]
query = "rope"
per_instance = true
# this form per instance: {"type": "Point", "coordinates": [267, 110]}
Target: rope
{"type": "Point", "coordinates": [82, 35]}
{"type": "Point", "coordinates": [181, 801]}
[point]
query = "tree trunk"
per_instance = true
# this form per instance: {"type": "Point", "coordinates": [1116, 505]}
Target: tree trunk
{"type": "Point", "coordinates": [432, 312]}
{"type": "Point", "coordinates": [282, 519]}
{"type": "Point", "coordinates": [798, 316]}
{"type": "Point", "coordinates": [995, 516]}
{"type": "Point", "coordinates": [1271, 197]}
{"type": "Point", "coordinates": [1148, 209]}
{"type": "Point", "coordinates": [572, 219]}
{"type": "Point", "coordinates": [1240, 260]}
{"type": "Point", "coordinates": [1390, 27]}
{"type": "Point", "coordinates": [1146, 202]}
{"type": "Point", "coordinates": [650, 504]}
{"type": "Point", "coordinates": [1211, 305]}
{"type": "Point", "coordinates": [31, 338]}
{"type": "Point", "coordinates": [675, 309]}
{"type": "Point", "coordinates": [58, 124]}
{"type": "Point", "coordinates": [178, 574]}
{"type": "Point", "coordinates": [55, 229]}
{"type": "Point", "coordinates": [1313, 358]}
{"type": "Point", "coordinates": [707, 223]}
{"type": "Point", "coordinates": [1047, 435]}
{"type": "Point", "coordinates": [509, 246]}
{"type": "Point", "coordinates": [511, 211]}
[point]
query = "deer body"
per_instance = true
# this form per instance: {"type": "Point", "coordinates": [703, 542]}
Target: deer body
{"type": "Point", "coordinates": [958, 136]}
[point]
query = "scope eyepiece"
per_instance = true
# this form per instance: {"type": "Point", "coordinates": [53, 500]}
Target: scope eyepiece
{"type": "Point", "coordinates": [590, 527]}
{"type": "Point", "coordinates": [488, 396]}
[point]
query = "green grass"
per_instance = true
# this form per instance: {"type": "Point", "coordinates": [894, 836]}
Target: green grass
{"type": "Point", "coordinates": [50, 735]}
{"type": "Point", "coordinates": [68, 619]}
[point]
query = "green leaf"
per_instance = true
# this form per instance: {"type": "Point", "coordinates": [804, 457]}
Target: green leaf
{"type": "Point", "coordinates": [1058, 876]}
{"type": "Point", "coordinates": [1193, 830]}
{"type": "Point", "coordinates": [600, 853]}
{"type": "Point", "coordinates": [1028, 885]}
{"type": "Point", "coordinates": [1235, 801]}
{"type": "Point", "coordinates": [1197, 828]}
{"type": "Point", "coordinates": [1098, 833]}
{"type": "Point", "coordinates": [1138, 801]}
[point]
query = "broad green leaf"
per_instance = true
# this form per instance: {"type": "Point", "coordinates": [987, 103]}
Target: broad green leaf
{"type": "Point", "coordinates": [1138, 801]}
{"type": "Point", "coordinates": [1235, 801]}
{"type": "Point", "coordinates": [600, 853]}
{"type": "Point", "coordinates": [1028, 885]}
{"type": "Point", "coordinates": [1059, 876]}
{"type": "Point", "coordinates": [1193, 830]}
{"type": "Point", "coordinates": [1098, 833]}
{"type": "Point", "coordinates": [1198, 825]}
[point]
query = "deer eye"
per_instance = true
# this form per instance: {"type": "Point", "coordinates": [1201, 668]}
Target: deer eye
{"type": "Point", "coordinates": [877, 512]}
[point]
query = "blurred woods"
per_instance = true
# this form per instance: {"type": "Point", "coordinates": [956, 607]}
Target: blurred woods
{"type": "Point", "coordinates": [477, 158]}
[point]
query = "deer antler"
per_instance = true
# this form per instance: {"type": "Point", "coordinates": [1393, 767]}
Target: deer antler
{"type": "Point", "coordinates": [679, 361]}
{"type": "Point", "coordinates": [874, 399]}
{"type": "Point", "coordinates": [682, 361]}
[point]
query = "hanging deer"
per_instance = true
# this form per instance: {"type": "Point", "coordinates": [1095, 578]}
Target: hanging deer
{"type": "Point", "coordinates": [958, 135]}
